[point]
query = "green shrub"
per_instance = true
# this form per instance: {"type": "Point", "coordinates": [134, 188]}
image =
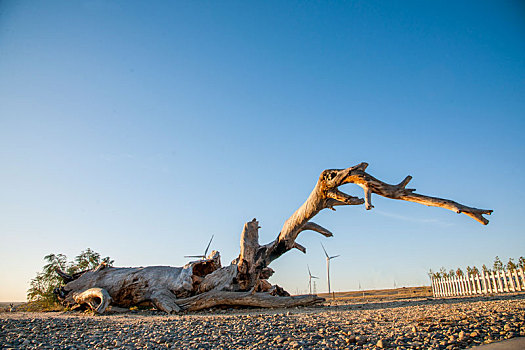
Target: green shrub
{"type": "Point", "coordinates": [40, 294]}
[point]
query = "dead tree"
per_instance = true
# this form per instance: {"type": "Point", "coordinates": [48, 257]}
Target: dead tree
{"type": "Point", "coordinates": [205, 283]}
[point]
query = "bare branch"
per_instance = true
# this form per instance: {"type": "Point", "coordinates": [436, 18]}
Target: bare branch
{"type": "Point", "coordinates": [399, 192]}
{"type": "Point", "coordinates": [299, 247]}
{"type": "Point", "coordinates": [327, 195]}
{"type": "Point", "coordinates": [343, 197]}
{"type": "Point", "coordinates": [312, 226]}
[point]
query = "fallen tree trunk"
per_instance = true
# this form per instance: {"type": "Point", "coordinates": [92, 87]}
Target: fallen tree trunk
{"type": "Point", "coordinates": [204, 283]}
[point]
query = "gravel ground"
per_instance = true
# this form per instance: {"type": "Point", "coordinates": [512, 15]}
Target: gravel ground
{"type": "Point", "coordinates": [410, 324]}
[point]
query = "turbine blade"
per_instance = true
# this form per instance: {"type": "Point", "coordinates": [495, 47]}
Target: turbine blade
{"type": "Point", "coordinates": [325, 253]}
{"type": "Point", "coordinates": [335, 256]}
{"type": "Point", "coordinates": [208, 247]}
{"type": "Point", "coordinates": [309, 273]}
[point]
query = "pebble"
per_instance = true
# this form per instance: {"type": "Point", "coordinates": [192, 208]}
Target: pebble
{"type": "Point", "coordinates": [381, 343]}
{"type": "Point", "coordinates": [458, 323]}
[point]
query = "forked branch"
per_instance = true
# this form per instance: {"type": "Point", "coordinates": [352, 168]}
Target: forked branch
{"type": "Point", "coordinates": [370, 184]}
{"type": "Point", "coordinates": [326, 194]}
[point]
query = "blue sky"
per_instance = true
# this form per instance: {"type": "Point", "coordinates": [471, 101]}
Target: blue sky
{"type": "Point", "coordinates": [140, 129]}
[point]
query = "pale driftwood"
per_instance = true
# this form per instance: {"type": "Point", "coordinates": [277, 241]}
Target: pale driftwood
{"type": "Point", "coordinates": [98, 299]}
{"type": "Point", "coordinates": [204, 283]}
{"type": "Point", "coordinates": [263, 300]}
{"type": "Point", "coordinates": [128, 286]}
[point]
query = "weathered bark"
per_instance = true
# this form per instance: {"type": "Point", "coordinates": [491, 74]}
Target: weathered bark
{"type": "Point", "coordinates": [204, 283]}
{"type": "Point", "coordinates": [98, 299]}
{"type": "Point", "coordinates": [127, 286]}
{"type": "Point", "coordinates": [264, 300]}
{"type": "Point", "coordinates": [327, 195]}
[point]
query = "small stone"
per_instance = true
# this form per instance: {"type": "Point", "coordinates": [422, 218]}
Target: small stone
{"type": "Point", "coordinates": [474, 334]}
{"type": "Point", "coordinates": [381, 343]}
{"type": "Point", "coordinates": [278, 339]}
{"type": "Point", "coordinates": [360, 339]}
{"type": "Point", "coordinates": [351, 339]}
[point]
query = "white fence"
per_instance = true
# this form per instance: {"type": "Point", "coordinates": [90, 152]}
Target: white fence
{"type": "Point", "coordinates": [484, 283]}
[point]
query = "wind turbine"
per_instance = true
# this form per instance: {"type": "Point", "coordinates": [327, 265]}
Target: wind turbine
{"type": "Point", "coordinates": [310, 276]}
{"type": "Point", "coordinates": [328, 258]}
{"type": "Point", "coordinates": [205, 252]}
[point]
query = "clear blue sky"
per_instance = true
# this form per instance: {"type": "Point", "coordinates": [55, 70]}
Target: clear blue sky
{"type": "Point", "coordinates": [139, 129]}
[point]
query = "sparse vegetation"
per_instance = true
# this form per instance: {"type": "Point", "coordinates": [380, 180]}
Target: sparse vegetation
{"type": "Point", "coordinates": [40, 294]}
{"type": "Point", "coordinates": [498, 265]}
{"type": "Point", "coordinates": [472, 271]}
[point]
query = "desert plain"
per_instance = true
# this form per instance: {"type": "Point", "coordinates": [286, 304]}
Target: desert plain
{"type": "Point", "coordinates": [404, 318]}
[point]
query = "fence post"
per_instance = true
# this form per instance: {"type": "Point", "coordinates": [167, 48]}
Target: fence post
{"type": "Point", "coordinates": [479, 290]}
{"type": "Point", "coordinates": [521, 280]}
{"type": "Point", "coordinates": [500, 282]}
{"type": "Point", "coordinates": [453, 285]}
{"type": "Point", "coordinates": [484, 281]}
{"type": "Point", "coordinates": [511, 280]}
{"type": "Point", "coordinates": [499, 285]}
{"type": "Point", "coordinates": [462, 288]}
{"type": "Point", "coordinates": [447, 286]}
{"type": "Point", "coordinates": [516, 280]}
{"type": "Point", "coordinates": [466, 278]}
{"type": "Point", "coordinates": [505, 283]}
{"type": "Point", "coordinates": [497, 282]}
{"type": "Point", "coordinates": [466, 288]}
